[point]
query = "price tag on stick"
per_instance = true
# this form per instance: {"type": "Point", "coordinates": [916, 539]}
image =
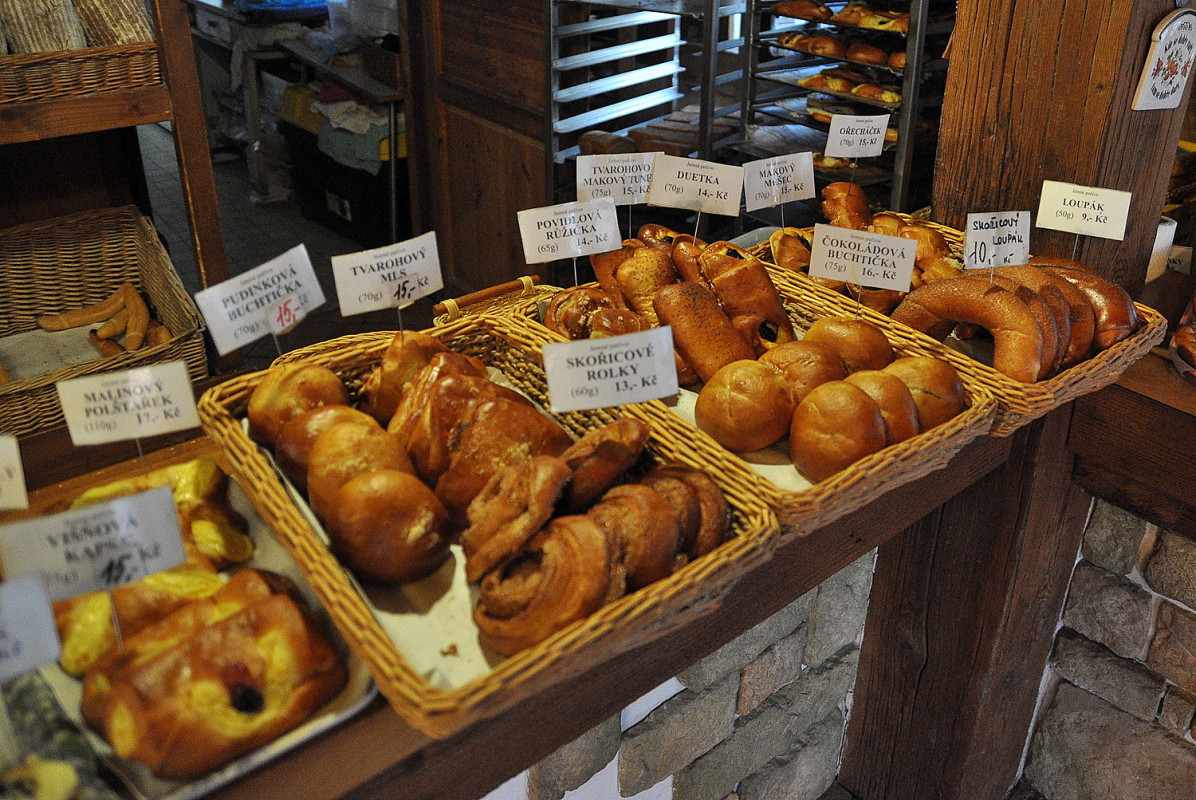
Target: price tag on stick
{"type": "Point", "coordinates": [996, 239]}
{"type": "Point", "coordinates": [1085, 210]}
{"type": "Point", "coordinates": [781, 179]}
{"type": "Point", "coordinates": [696, 185]}
{"type": "Point", "coordinates": [856, 136]}
{"type": "Point", "coordinates": [569, 230]}
{"type": "Point", "coordinates": [868, 259]}
{"type": "Point", "coordinates": [133, 404]}
{"type": "Point", "coordinates": [600, 373]}
{"type": "Point", "coordinates": [28, 636]}
{"type": "Point", "coordinates": [387, 277]}
{"type": "Point", "coordinates": [623, 177]}
{"type": "Point", "coordinates": [12, 475]}
{"type": "Point", "coordinates": [97, 547]}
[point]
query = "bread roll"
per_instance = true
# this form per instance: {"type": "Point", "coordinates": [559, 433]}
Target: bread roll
{"type": "Point", "coordinates": [685, 254]}
{"type": "Point", "coordinates": [1116, 315]}
{"type": "Point", "coordinates": [406, 355]}
{"type": "Point", "coordinates": [1082, 321]}
{"type": "Point", "coordinates": [863, 53]}
{"type": "Point", "coordinates": [287, 391]}
{"type": "Point", "coordinates": [895, 400]}
{"type": "Point", "coordinates": [605, 265]}
{"type": "Point", "coordinates": [642, 276]}
{"type": "Point", "coordinates": [657, 236]}
{"type": "Point", "coordinates": [388, 527]}
{"type": "Point", "coordinates": [346, 449]}
{"type": "Point", "coordinates": [1044, 285]}
{"type": "Point", "coordinates": [858, 342]}
{"type": "Point", "coordinates": [646, 528]}
{"type": "Point", "coordinates": [1052, 346]}
{"type": "Point", "coordinates": [606, 322]}
{"type": "Point", "coordinates": [292, 447]}
{"type": "Point", "coordinates": [702, 332]}
{"type": "Point", "coordinates": [935, 386]}
{"type": "Point", "coordinates": [835, 426]}
{"type": "Point", "coordinates": [801, 9]}
{"type": "Point", "coordinates": [897, 60]}
{"type": "Point", "coordinates": [846, 206]}
{"type": "Point", "coordinates": [745, 406]}
{"type": "Point", "coordinates": [804, 365]}
{"type": "Point", "coordinates": [825, 46]}
{"type": "Point", "coordinates": [570, 312]}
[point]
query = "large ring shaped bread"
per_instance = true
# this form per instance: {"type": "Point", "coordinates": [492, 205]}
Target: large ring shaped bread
{"type": "Point", "coordinates": [934, 308]}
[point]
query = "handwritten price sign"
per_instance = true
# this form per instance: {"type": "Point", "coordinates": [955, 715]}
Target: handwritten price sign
{"type": "Point", "coordinates": [287, 314]}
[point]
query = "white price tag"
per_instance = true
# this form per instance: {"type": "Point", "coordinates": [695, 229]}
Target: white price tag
{"type": "Point", "coordinates": [599, 373]}
{"type": "Point", "coordinates": [12, 476]}
{"type": "Point", "coordinates": [780, 179]}
{"type": "Point", "coordinates": [569, 230]}
{"type": "Point", "coordinates": [1086, 210]}
{"type": "Point", "coordinates": [856, 136]}
{"type": "Point", "coordinates": [623, 177]}
{"type": "Point", "coordinates": [394, 276]}
{"type": "Point", "coordinates": [996, 239]}
{"type": "Point", "coordinates": [872, 260]}
{"type": "Point", "coordinates": [28, 636]}
{"type": "Point", "coordinates": [1179, 260]}
{"type": "Point", "coordinates": [133, 404]}
{"type": "Point", "coordinates": [238, 310]}
{"type": "Point", "coordinates": [97, 547]}
{"type": "Point", "coordinates": [695, 185]}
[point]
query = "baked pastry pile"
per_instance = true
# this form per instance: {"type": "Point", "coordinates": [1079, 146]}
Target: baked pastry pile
{"type": "Point", "coordinates": [856, 14]}
{"type": "Point", "coordinates": [842, 80]}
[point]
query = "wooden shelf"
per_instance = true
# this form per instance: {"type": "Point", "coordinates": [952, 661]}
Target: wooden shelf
{"type": "Point", "coordinates": [85, 113]}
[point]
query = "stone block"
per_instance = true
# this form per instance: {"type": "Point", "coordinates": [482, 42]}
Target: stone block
{"type": "Point", "coordinates": [1171, 568]}
{"type": "Point", "coordinates": [675, 734]}
{"type": "Point", "coordinates": [1122, 682]}
{"type": "Point", "coordinates": [575, 763]}
{"type": "Point", "coordinates": [805, 773]}
{"type": "Point", "coordinates": [1085, 749]}
{"type": "Point", "coordinates": [777, 666]}
{"type": "Point", "coordinates": [1109, 609]}
{"type": "Point", "coordinates": [1173, 650]}
{"type": "Point", "coordinates": [1113, 538]}
{"type": "Point", "coordinates": [739, 652]}
{"type": "Point", "coordinates": [774, 729]}
{"type": "Point", "coordinates": [840, 607]}
{"type": "Point", "coordinates": [1177, 711]}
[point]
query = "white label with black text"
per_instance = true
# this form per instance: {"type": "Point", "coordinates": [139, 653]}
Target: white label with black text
{"type": "Point", "coordinates": [623, 177]}
{"type": "Point", "coordinates": [133, 404]}
{"type": "Point", "coordinates": [1086, 210]}
{"type": "Point", "coordinates": [97, 547]}
{"type": "Point", "coordinates": [12, 475]}
{"type": "Point", "coordinates": [600, 373]}
{"type": "Point", "coordinates": [569, 230]}
{"type": "Point", "coordinates": [28, 636]}
{"type": "Point", "coordinates": [781, 179]}
{"type": "Point", "coordinates": [856, 136]}
{"type": "Point", "coordinates": [872, 260]}
{"type": "Point", "coordinates": [238, 311]}
{"type": "Point", "coordinates": [695, 185]}
{"type": "Point", "coordinates": [996, 239]}
{"type": "Point", "coordinates": [394, 276]}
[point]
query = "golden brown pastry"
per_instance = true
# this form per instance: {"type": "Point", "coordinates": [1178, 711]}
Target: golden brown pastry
{"type": "Point", "coordinates": [287, 391]}
{"type": "Point", "coordinates": [642, 276]}
{"type": "Point", "coordinates": [406, 355]}
{"type": "Point", "coordinates": [872, 91]}
{"type": "Point", "coordinates": [658, 237]}
{"type": "Point", "coordinates": [897, 60]}
{"type": "Point", "coordinates": [605, 265]}
{"type": "Point", "coordinates": [599, 458]}
{"type": "Point", "coordinates": [703, 334]}
{"type": "Point", "coordinates": [1116, 315]}
{"type": "Point", "coordinates": [824, 46]}
{"type": "Point", "coordinates": [607, 322]}
{"type": "Point", "coordinates": [344, 450]}
{"type": "Point", "coordinates": [292, 448]}
{"type": "Point", "coordinates": [845, 205]}
{"type": "Point", "coordinates": [388, 527]}
{"type": "Point", "coordinates": [1082, 321]}
{"type": "Point", "coordinates": [714, 514]}
{"type": "Point", "coordinates": [571, 311]}
{"type": "Point", "coordinates": [1184, 343]}
{"type": "Point", "coordinates": [685, 253]}
{"type": "Point", "coordinates": [748, 295]}
{"type": "Point", "coordinates": [646, 528]}
{"type": "Point", "coordinates": [604, 142]}
{"type": "Point", "coordinates": [1052, 297]}
{"type": "Point", "coordinates": [835, 426]}
{"type": "Point", "coordinates": [935, 386]}
{"type": "Point", "coordinates": [858, 342]}
{"type": "Point", "coordinates": [1052, 346]}
{"type": "Point", "coordinates": [851, 14]}
{"type": "Point", "coordinates": [745, 406]}
{"type": "Point", "coordinates": [801, 9]}
{"type": "Point", "coordinates": [789, 250]}
{"type": "Point", "coordinates": [863, 53]}
{"type": "Point", "coordinates": [895, 401]}
{"type": "Point", "coordinates": [805, 364]}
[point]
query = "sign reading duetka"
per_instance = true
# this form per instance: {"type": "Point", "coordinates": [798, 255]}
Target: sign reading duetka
{"type": "Point", "coordinates": [854, 136]}
{"type": "Point", "coordinates": [623, 177]}
{"type": "Point", "coordinates": [28, 636]}
{"type": "Point", "coordinates": [394, 276]}
{"type": "Point", "coordinates": [238, 311]}
{"type": "Point", "coordinates": [777, 180]}
{"type": "Point", "coordinates": [867, 259]}
{"type": "Point", "coordinates": [696, 185]}
{"type": "Point", "coordinates": [96, 547]}
{"type": "Point", "coordinates": [133, 404]}
{"type": "Point", "coordinates": [1086, 210]}
{"type": "Point", "coordinates": [996, 239]}
{"type": "Point", "coordinates": [12, 475]}
{"type": "Point", "coordinates": [600, 373]}
{"type": "Point", "coordinates": [569, 230]}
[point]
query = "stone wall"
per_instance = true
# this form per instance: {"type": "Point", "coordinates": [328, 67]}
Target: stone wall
{"type": "Point", "coordinates": [762, 718]}
{"type": "Point", "coordinates": [1116, 717]}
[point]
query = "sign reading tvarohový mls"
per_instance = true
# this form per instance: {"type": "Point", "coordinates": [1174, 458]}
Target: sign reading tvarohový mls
{"type": "Point", "coordinates": [1165, 73]}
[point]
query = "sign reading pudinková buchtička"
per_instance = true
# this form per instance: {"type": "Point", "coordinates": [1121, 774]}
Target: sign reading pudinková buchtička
{"type": "Point", "coordinates": [97, 547]}
{"type": "Point", "coordinates": [394, 276]}
{"type": "Point", "coordinates": [132, 404]}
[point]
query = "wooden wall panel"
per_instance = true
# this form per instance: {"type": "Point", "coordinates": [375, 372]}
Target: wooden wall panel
{"type": "Point", "coordinates": [499, 54]}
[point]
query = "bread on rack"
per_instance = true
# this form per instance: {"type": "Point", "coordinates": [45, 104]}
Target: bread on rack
{"type": "Point", "coordinates": [864, 53]}
{"type": "Point", "coordinates": [801, 9]}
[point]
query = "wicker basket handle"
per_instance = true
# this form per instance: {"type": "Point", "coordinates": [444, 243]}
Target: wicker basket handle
{"type": "Point", "coordinates": [453, 307]}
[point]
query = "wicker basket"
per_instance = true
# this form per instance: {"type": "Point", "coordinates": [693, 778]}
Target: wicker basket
{"type": "Point", "coordinates": [55, 265]}
{"type": "Point", "coordinates": [502, 300]}
{"type": "Point", "coordinates": [1018, 403]}
{"type": "Point", "coordinates": [627, 623]}
{"type": "Point", "coordinates": [44, 76]}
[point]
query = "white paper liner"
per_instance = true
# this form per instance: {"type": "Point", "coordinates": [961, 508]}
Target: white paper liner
{"type": "Point", "coordinates": [36, 352]}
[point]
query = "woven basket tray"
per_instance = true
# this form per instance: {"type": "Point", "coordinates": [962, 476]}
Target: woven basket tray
{"type": "Point", "coordinates": [808, 509]}
{"type": "Point", "coordinates": [55, 265]}
{"type": "Point", "coordinates": [1018, 403]}
{"type": "Point", "coordinates": [43, 76]}
{"type": "Point", "coordinates": [502, 300]}
{"type": "Point", "coordinates": [622, 625]}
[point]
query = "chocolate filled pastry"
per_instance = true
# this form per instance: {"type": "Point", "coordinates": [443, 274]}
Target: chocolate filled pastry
{"type": "Point", "coordinates": [642, 276]}
{"type": "Point", "coordinates": [570, 312]}
{"type": "Point", "coordinates": [714, 514]}
{"type": "Point", "coordinates": [895, 401]}
{"type": "Point", "coordinates": [599, 458]}
{"type": "Point", "coordinates": [344, 450]}
{"type": "Point", "coordinates": [407, 353]}
{"type": "Point", "coordinates": [835, 426]}
{"type": "Point", "coordinates": [859, 343]}
{"type": "Point", "coordinates": [500, 434]}
{"type": "Point", "coordinates": [685, 253]}
{"type": "Point", "coordinates": [292, 448]}
{"type": "Point", "coordinates": [646, 528]}
{"type": "Point", "coordinates": [1116, 315]}
{"type": "Point", "coordinates": [703, 334]}
{"type": "Point", "coordinates": [935, 386]}
{"type": "Point", "coordinates": [605, 265]}
{"type": "Point", "coordinates": [789, 250]}
{"type": "Point", "coordinates": [509, 510]}
{"type": "Point", "coordinates": [563, 575]}
{"type": "Point", "coordinates": [745, 406]}
{"type": "Point", "coordinates": [748, 295]}
{"type": "Point", "coordinates": [387, 527]}
{"type": "Point", "coordinates": [287, 391]}
{"type": "Point", "coordinates": [805, 364]}
{"type": "Point", "coordinates": [935, 308]}
{"type": "Point", "coordinates": [658, 237]}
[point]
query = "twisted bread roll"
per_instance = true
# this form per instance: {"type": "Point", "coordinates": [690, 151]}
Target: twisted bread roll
{"type": "Point", "coordinates": [646, 528]}
{"type": "Point", "coordinates": [714, 515]}
{"type": "Point", "coordinates": [571, 312]}
{"type": "Point", "coordinates": [607, 322]}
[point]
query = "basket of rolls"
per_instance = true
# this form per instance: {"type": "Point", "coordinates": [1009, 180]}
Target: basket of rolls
{"type": "Point", "coordinates": [463, 539]}
{"type": "Point", "coordinates": [1038, 335]}
{"type": "Point", "coordinates": [501, 299]}
{"type": "Point", "coordinates": [825, 408]}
